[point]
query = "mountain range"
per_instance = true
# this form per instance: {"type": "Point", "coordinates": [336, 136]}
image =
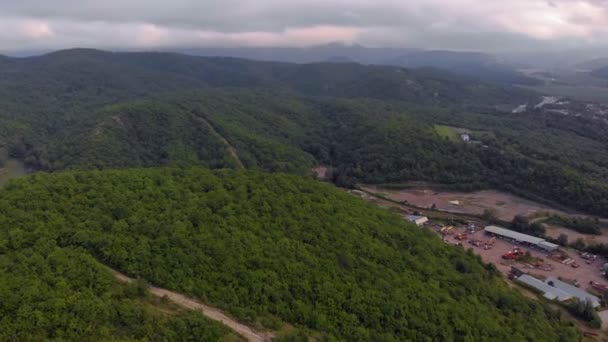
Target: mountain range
{"type": "Point", "coordinates": [195, 174]}
{"type": "Point", "coordinates": [87, 109]}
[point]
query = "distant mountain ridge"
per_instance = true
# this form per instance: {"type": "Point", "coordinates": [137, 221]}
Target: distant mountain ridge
{"type": "Point", "coordinates": [314, 54]}
{"type": "Point", "coordinates": [475, 65]}
{"type": "Point", "coordinates": [339, 59]}
{"type": "Point", "coordinates": [168, 71]}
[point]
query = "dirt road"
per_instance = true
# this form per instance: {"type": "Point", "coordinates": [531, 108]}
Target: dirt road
{"type": "Point", "coordinates": [210, 312]}
{"type": "Point", "coordinates": [233, 152]}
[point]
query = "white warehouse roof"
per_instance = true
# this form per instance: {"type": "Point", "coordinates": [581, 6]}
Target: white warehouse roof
{"type": "Point", "coordinates": [546, 245]}
{"type": "Point", "coordinates": [549, 291]}
{"type": "Point", "coordinates": [573, 291]}
{"type": "Point", "coordinates": [514, 235]}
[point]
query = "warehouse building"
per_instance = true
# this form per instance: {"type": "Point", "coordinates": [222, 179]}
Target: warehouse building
{"type": "Point", "coordinates": [548, 246]}
{"type": "Point", "coordinates": [517, 236]}
{"type": "Point", "coordinates": [548, 291]}
{"type": "Point", "coordinates": [510, 234]}
{"type": "Point", "coordinates": [573, 291]}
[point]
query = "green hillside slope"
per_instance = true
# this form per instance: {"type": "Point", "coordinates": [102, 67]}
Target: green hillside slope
{"type": "Point", "coordinates": [364, 140]}
{"type": "Point", "coordinates": [269, 248]}
{"type": "Point", "coordinates": [52, 292]}
{"type": "Point", "coordinates": [87, 109]}
{"type": "Point", "coordinates": [57, 96]}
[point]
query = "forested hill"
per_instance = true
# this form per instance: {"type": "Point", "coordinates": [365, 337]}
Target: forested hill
{"type": "Point", "coordinates": [274, 250]}
{"type": "Point", "coordinates": [52, 94]}
{"type": "Point", "coordinates": [104, 74]}
{"type": "Point", "coordinates": [88, 109]}
{"type": "Point", "coordinates": [368, 141]}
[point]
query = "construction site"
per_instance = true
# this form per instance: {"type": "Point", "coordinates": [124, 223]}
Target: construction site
{"type": "Point", "coordinates": [541, 263]}
{"type": "Point", "coordinates": [530, 257]}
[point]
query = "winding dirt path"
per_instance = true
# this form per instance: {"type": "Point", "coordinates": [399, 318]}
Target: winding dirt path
{"type": "Point", "coordinates": [212, 313]}
{"type": "Point", "coordinates": [224, 141]}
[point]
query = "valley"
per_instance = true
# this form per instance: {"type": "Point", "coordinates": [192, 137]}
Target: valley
{"type": "Point", "coordinates": [304, 171]}
{"type": "Point", "coordinates": [373, 124]}
{"type": "Point", "coordinates": [577, 92]}
{"type": "Point", "coordinates": [194, 174]}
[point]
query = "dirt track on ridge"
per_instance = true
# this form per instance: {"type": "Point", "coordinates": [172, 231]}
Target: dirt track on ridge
{"type": "Point", "coordinates": [212, 313]}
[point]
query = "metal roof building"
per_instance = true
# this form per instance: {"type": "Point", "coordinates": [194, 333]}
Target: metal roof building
{"type": "Point", "coordinates": [548, 246]}
{"type": "Point", "coordinates": [549, 291]}
{"type": "Point", "coordinates": [573, 291]}
{"type": "Point", "coordinates": [513, 235]}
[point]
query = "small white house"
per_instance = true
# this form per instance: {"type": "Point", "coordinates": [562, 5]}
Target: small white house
{"type": "Point", "coordinates": [418, 220]}
{"type": "Point", "coordinates": [465, 137]}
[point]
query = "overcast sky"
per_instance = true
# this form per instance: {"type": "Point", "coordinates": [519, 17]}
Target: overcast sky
{"type": "Point", "coordinates": [488, 25]}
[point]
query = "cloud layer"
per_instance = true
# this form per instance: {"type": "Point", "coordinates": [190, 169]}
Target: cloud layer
{"type": "Point", "coordinates": [450, 24]}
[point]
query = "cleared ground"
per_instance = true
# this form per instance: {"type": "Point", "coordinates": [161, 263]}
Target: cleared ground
{"type": "Point", "coordinates": [320, 171]}
{"type": "Point", "coordinates": [583, 274]}
{"type": "Point", "coordinates": [555, 231]}
{"type": "Point", "coordinates": [448, 132]}
{"type": "Point", "coordinates": [507, 206]}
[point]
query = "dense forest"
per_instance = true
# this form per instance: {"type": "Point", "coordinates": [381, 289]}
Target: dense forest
{"type": "Point", "coordinates": [272, 249]}
{"type": "Point", "coordinates": [61, 293]}
{"type": "Point", "coordinates": [364, 140]}
{"type": "Point", "coordinates": [87, 109]}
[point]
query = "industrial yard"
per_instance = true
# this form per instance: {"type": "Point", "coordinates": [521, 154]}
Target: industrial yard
{"type": "Point", "coordinates": [526, 261]}
{"type": "Point", "coordinates": [541, 264]}
{"type": "Point", "coordinates": [565, 263]}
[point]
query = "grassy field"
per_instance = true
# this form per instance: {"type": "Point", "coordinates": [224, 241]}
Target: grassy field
{"type": "Point", "coordinates": [451, 133]}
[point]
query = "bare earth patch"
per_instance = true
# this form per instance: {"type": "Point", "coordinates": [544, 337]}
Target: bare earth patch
{"type": "Point", "coordinates": [555, 231]}
{"type": "Point", "coordinates": [507, 206]}
{"type": "Point", "coordinates": [320, 171]}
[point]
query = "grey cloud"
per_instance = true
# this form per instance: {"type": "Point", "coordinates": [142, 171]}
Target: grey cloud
{"type": "Point", "coordinates": [225, 15]}
{"type": "Point", "coordinates": [453, 24]}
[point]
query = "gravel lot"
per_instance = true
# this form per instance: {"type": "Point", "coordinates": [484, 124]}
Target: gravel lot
{"type": "Point", "coordinates": [583, 274]}
{"type": "Point", "coordinates": [506, 205]}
